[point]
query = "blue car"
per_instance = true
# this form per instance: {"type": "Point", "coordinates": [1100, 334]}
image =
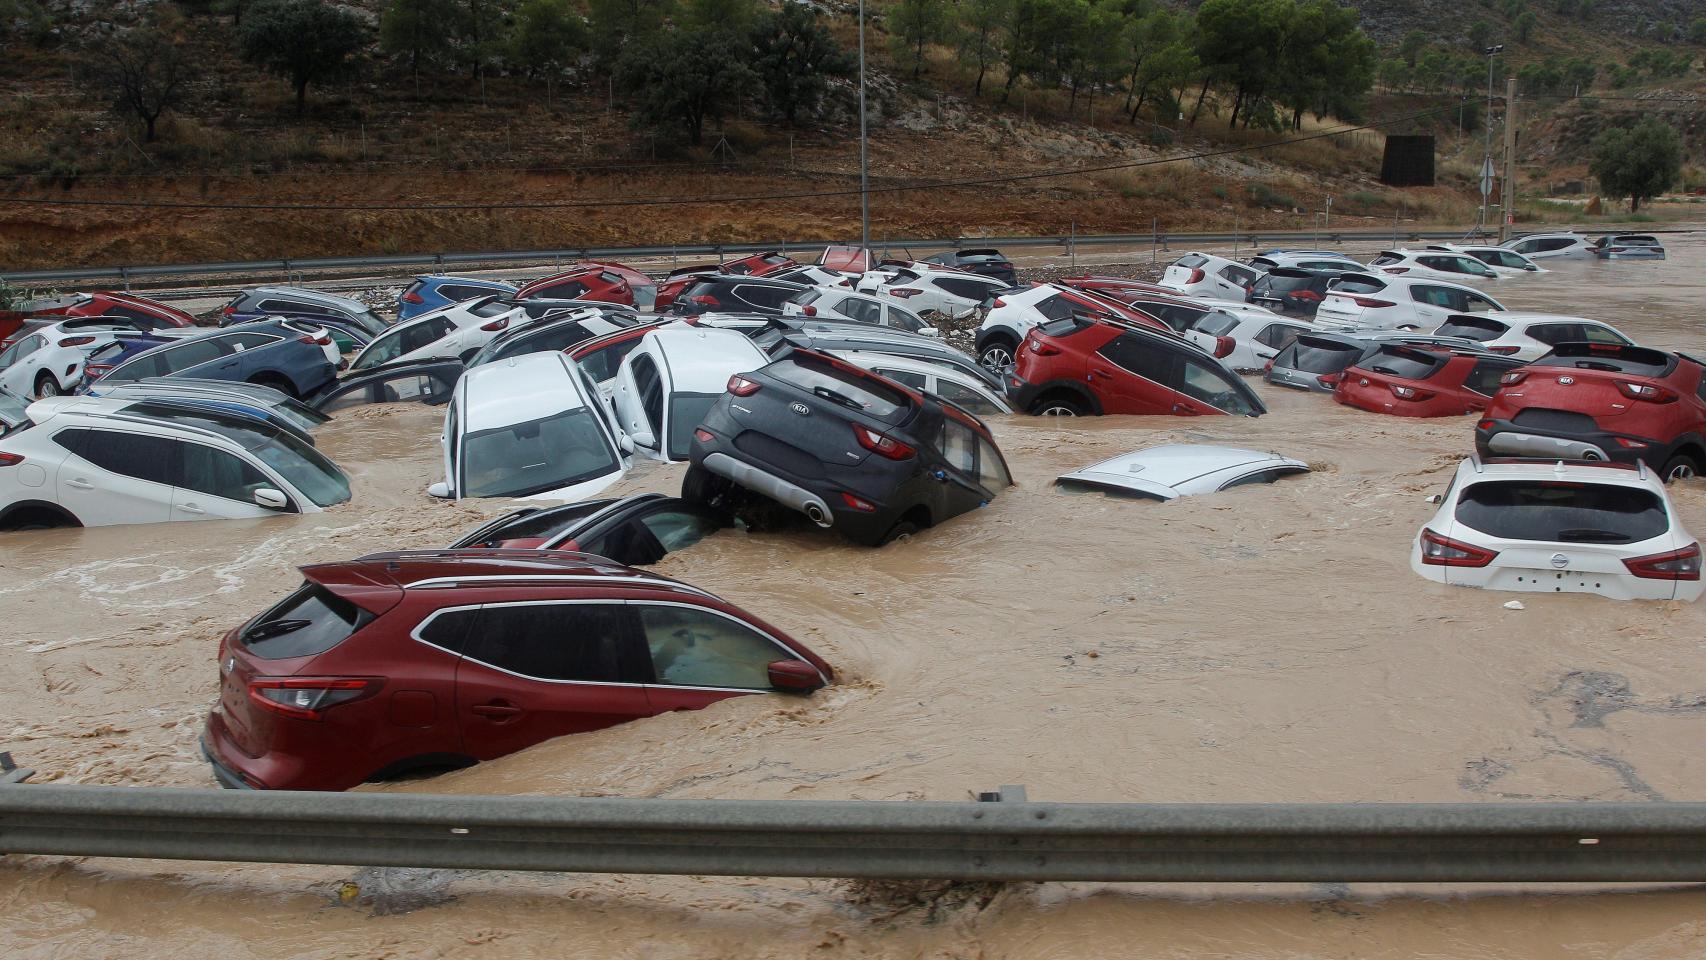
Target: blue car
{"type": "Point", "coordinates": [270, 354]}
{"type": "Point", "coordinates": [428, 293]}
{"type": "Point", "coordinates": [111, 355]}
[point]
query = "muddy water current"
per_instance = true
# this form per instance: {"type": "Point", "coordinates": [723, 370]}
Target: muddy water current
{"type": "Point", "coordinates": [1266, 644]}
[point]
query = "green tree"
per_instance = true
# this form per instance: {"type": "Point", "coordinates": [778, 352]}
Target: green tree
{"type": "Point", "coordinates": [1162, 56]}
{"type": "Point", "coordinates": [24, 19]}
{"type": "Point", "coordinates": [685, 78]}
{"type": "Point", "coordinates": [1697, 31]}
{"type": "Point", "coordinates": [1021, 50]}
{"type": "Point", "coordinates": [420, 31]}
{"type": "Point", "coordinates": [1523, 26]}
{"type": "Point", "coordinates": [306, 41]}
{"type": "Point", "coordinates": [1480, 34]}
{"type": "Point", "coordinates": [795, 57]}
{"type": "Point", "coordinates": [1235, 41]}
{"type": "Point", "coordinates": [1638, 162]}
{"type": "Point", "coordinates": [734, 16]}
{"type": "Point", "coordinates": [913, 26]}
{"type": "Point", "coordinates": [145, 71]}
{"type": "Point", "coordinates": [980, 36]}
{"type": "Point", "coordinates": [549, 36]}
{"type": "Point", "coordinates": [617, 23]}
{"type": "Point", "coordinates": [1413, 44]}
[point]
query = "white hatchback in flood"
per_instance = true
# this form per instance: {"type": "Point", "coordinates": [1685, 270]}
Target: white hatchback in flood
{"type": "Point", "coordinates": [1176, 470]}
{"type": "Point", "coordinates": [1539, 526]}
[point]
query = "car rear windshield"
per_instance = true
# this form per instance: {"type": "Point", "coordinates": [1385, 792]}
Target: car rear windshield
{"type": "Point", "coordinates": [1472, 328]}
{"type": "Point", "coordinates": [1357, 285]}
{"type": "Point", "coordinates": [842, 386]}
{"type": "Point", "coordinates": [1562, 511]}
{"type": "Point", "coordinates": [1610, 357]}
{"type": "Point", "coordinates": [1405, 363]}
{"type": "Point", "coordinates": [307, 623]}
{"type": "Point", "coordinates": [1191, 260]}
{"type": "Point", "coordinates": [1316, 355]}
{"type": "Point", "coordinates": [1216, 324]}
{"type": "Point", "coordinates": [1285, 281]}
{"type": "Point", "coordinates": [1385, 259]}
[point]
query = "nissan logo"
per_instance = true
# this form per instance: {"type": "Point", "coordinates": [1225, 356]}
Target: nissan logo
{"type": "Point", "coordinates": [1560, 561]}
{"type": "Point", "coordinates": [800, 408]}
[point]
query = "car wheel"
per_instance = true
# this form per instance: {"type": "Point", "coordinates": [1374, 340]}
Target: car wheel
{"type": "Point", "coordinates": [705, 488]}
{"type": "Point", "coordinates": [996, 355]}
{"type": "Point", "coordinates": [1059, 407]}
{"type": "Point", "coordinates": [47, 386]}
{"type": "Point", "coordinates": [1680, 467]}
{"type": "Point", "coordinates": [902, 528]}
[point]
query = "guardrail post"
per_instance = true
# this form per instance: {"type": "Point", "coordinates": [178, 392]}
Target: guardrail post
{"type": "Point", "coordinates": [124, 274]}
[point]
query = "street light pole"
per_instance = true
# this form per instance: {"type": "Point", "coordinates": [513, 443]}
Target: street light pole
{"type": "Point", "coordinates": [1487, 157]}
{"type": "Point", "coordinates": [864, 145]}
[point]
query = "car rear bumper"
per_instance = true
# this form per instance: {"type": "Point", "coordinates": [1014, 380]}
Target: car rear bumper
{"type": "Point", "coordinates": [1511, 444]}
{"type": "Point", "coordinates": [227, 777]}
{"type": "Point", "coordinates": [785, 492]}
{"type": "Point", "coordinates": [1505, 439]}
{"type": "Point", "coordinates": [1297, 380]}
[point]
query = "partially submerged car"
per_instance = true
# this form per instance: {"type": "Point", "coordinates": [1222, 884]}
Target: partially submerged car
{"type": "Point", "coordinates": [1407, 380]}
{"type": "Point", "coordinates": [634, 531]}
{"type": "Point", "coordinates": [1391, 302]}
{"type": "Point", "coordinates": [459, 330]}
{"type": "Point", "coordinates": [1627, 246]}
{"type": "Point", "coordinates": [1539, 246]}
{"type": "Point", "coordinates": [1245, 339]}
{"type": "Point", "coordinates": [430, 292]}
{"type": "Point", "coordinates": [305, 417]}
{"type": "Point", "coordinates": [1551, 526]}
{"type": "Point", "coordinates": [670, 381]}
{"type": "Point", "coordinates": [1074, 367]}
{"type": "Point", "coordinates": [1204, 274]}
{"type": "Point", "coordinates": [1175, 470]}
{"type": "Point", "coordinates": [410, 381]}
{"type": "Point", "coordinates": [1529, 336]}
{"type": "Point", "coordinates": [1433, 265]}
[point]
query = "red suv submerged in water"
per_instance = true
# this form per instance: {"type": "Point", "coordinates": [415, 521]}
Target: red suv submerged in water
{"type": "Point", "coordinates": [401, 662]}
{"type": "Point", "coordinates": [1602, 401]}
{"type": "Point", "coordinates": [1081, 366]}
{"type": "Point", "coordinates": [1422, 380]}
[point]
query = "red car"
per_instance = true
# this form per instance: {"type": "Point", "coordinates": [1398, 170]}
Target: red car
{"type": "Point", "coordinates": [1117, 287]}
{"type": "Point", "coordinates": [1082, 366]}
{"type": "Point", "coordinates": [1423, 380]}
{"type": "Point", "coordinates": [401, 662]}
{"type": "Point", "coordinates": [1602, 401]}
{"type": "Point", "coordinates": [602, 356]}
{"type": "Point", "coordinates": [107, 303]}
{"type": "Point", "coordinates": [604, 282]}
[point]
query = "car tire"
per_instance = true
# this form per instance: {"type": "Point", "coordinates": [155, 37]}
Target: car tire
{"type": "Point", "coordinates": [1680, 467]}
{"type": "Point", "coordinates": [997, 353]}
{"type": "Point", "coordinates": [1058, 407]}
{"type": "Point", "coordinates": [47, 386]}
{"type": "Point", "coordinates": [705, 488]}
{"type": "Point", "coordinates": [281, 384]}
{"type": "Point", "coordinates": [902, 528]}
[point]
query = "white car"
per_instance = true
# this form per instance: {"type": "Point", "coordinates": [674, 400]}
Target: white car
{"type": "Point", "coordinates": [1245, 339]}
{"type": "Point", "coordinates": [1505, 263]}
{"type": "Point", "coordinates": [1304, 260]}
{"type": "Point", "coordinates": [459, 330]}
{"type": "Point", "coordinates": [1178, 470]}
{"type": "Point", "coordinates": [812, 275]}
{"type": "Point", "coordinates": [1559, 527]}
{"type": "Point", "coordinates": [46, 362]}
{"type": "Point", "coordinates": [1358, 301]}
{"type": "Point", "coordinates": [839, 303]}
{"type": "Point", "coordinates": [927, 288]}
{"type": "Point", "coordinates": [1538, 246]}
{"type": "Point", "coordinates": [963, 389]}
{"type": "Point", "coordinates": [1433, 265]}
{"type": "Point", "coordinates": [1206, 275]}
{"type": "Point", "coordinates": [530, 428]}
{"type": "Point", "coordinates": [668, 383]}
{"type": "Point", "coordinates": [91, 462]}
{"type": "Point", "coordinates": [1013, 314]}
{"type": "Point", "coordinates": [1529, 336]}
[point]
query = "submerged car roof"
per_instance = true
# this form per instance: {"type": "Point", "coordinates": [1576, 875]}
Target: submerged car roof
{"type": "Point", "coordinates": [1168, 470]}
{"type": "Point", "coordinates": [375, 582]}
{"type": "Point", "coordinates": [699, 357]}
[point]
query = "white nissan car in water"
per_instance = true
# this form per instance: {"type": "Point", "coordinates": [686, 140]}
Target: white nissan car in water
{"type": "Point", "coordinates": [1540, 526]}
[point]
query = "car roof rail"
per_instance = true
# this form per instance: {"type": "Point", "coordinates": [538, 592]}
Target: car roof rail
{"type": "Point", "coordinates": [1475, 461]}
{"type": "Point", "coordinates": [1640, 468]}
{"type": "Point", "coordinates": [144, 419]}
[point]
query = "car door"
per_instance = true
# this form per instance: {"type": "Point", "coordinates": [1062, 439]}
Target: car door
{"type": "Point", "coordinates": [1206, 388]}
{"type": "Point", "coordinates": [961, 490]}
{"type": "Point", "coordinates": [241, 362]}
{"type": "Point", "coordinates": [19, 363]}
{"type": "Point", "coordinates": [115, 476]}
{"type": "Point", "coordinates": [700, 656]}
{"type": "Point", "coordinates": [532, 671]}
{"type": "Point", "coordinates": [649, 535]}
{"type": "Point", "coordinates": [1132, 374]}
{"type": "Point", "coordinates": [215, 484]}
{"type": "Point", "coordinates": [639, 400]}
{"type": "Point", "coordinates": [1431, 304]}
{"type": "Point", "coordinates": [1272, 339]}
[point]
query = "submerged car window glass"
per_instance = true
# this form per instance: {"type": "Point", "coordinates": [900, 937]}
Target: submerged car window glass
{"type": "Point", "coordinates": [307, 623]}
{"type": "Point", "coordinates": [839, 386]}
{"type": "Point", "coordinates": [1140, 356]}
{"type": "Point", "coordinates": [541, 524]}
{"type": "Point", "coordinates": [1212, 387]}
{"type": "Point", "coordinates": [959, 446]}
{"type": "Point", "coordinates": [686, 412]}
{"type": "Point", "coordinates": [1594, 333]}
{"type": "Point", "coordinates": [1639, 361]}
{"type": "Point", "coordinates": [678, 529]}
{"type": "Point", "coordinates": [1316, 355]}
{"type": "Point", "coordinates": [389, 347]}
{"type": "Point", "coordinates": [601, 364]}
{"type": "Point", "coordinates": [520, 459]}
{"type": "Point", "coordinates": [1405, 363]}
{"type": "Point", "coordinates": [1472, 328]}
{"type": "Point", "coordinates": [966, 397]}
{"type": "Point", "coordinates": [553, 641]}
{"type": "Point", "coordinates": [698, 648]}
{"type": "Point", "coordinates": [1484, 377]}
{"type": "Point", "coordinates": [991, 469]}
{"type": "Point", "coordinates": [1561, 511]}
{"type": "Point", "coordinates": [139, 455]}
{"type": "Point", "coordinates": [916, 381]}
{"type": "Point", "coordinates": [649, 386]}
{"type": "Point", "coordinates": [220, 474]}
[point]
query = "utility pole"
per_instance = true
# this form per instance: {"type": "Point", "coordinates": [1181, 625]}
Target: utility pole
{"type": "Point", "coordinates": [1507, 196]}
{"type": "Point", "coordinates": [1487, 157]}
{"type": "Point", "coordinates": [864, 152]}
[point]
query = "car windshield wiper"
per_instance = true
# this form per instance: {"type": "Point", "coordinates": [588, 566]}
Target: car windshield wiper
{"type": "Point", "coordinates": [1386, 370]}
{"type": "Point", "coordinates": [1588, 535]}
{"type": "Point", "coordinates": [273, 628]}
{"type": "Point", "coordinates": [837, 397]}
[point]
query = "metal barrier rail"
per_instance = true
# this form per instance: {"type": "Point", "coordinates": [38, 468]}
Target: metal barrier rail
{"type": "Point", "coordinates": [439, 261]}
{"type": "Point", "coordinates": [1011, 839]}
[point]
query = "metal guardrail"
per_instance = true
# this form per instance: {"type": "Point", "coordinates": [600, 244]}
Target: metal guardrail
{"type": "Point", "coordinates": [1008, 840]}
{"type": "Point", "coordinates": [440, 261]}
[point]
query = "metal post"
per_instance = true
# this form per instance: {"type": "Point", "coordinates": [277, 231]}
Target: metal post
{"type": "Point", "coordinates": [864, 151]}
{"type": "Point", "coordinates": [1487, 156]}
{"type": "Point", "coordinates": [1072, 243]}
{"type": "Point", "coordinates": [1507, 196]}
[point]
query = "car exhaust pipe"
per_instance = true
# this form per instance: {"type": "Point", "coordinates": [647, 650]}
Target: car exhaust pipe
{"type": "Point", "coordinates": [815, 513]}
{"type": "Point", "coordinates": [1589, 455]}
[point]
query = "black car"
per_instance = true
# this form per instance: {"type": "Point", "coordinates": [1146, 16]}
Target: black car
{"type": "Point", "coordinates": [846, 447]}
{"type": "Point", "coordinates": [989, 263]}
{"type": "Point", "coordinates": [419, 381]}
{"type": "Point", "coordinates": [1290, 290]}
{"type": "Point", "coordinates": [632, 531]}
{"type": "Point", "coordinates": [554, 332]}
{"type": "Point", "coordinates": [728, 293]}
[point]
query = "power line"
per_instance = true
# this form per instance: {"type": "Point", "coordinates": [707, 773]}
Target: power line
{"type": "Point", "coordinates": [748, 198]}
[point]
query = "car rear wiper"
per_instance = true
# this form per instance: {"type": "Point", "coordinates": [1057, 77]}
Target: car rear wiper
{"type": "Point", "coordinates": [1592, 536]}
{"type": "Point", "coordinates": [1386, 370]}
{"type": "Point", "coordinates": [273, 628]}
{"type": "Point", "coordinates": [837, 397]}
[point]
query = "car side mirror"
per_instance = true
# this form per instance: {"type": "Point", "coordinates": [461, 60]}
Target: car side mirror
{"type": "Point", "coordinates": [625, 442]}
{"type": "Point", "coordinates": [271, 499]}
{"type": "Point", "coordinates": [441, 490]}
{"type": "Point", "coordinates": [644, 438]}
{"type": "Point", "coordinates": [929, 331]}
{"type": "Point", "coordinates": [1436, 498]}
{"type": "Point", "coordinates": [796, 676]}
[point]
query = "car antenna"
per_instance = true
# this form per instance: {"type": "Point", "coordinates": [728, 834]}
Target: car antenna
{"type": "Point", "coordinates": [1641, 469]}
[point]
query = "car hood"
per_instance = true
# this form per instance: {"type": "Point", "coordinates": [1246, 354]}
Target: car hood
{"type": "Point", "coordinates": [1168, 471]}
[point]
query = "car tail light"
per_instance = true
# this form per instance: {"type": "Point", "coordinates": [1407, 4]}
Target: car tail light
{"type": "Point", "coordinates": [1629, 444]}
{"type": "Point", "coordinates": [76, 341]}
{"type": "Point", "coordinates": [229, 309]}
{"type": "Point", "coordinates": [496, 325]}
{"type": "Point", "coordinates": [809, 310]}
{"type": "Point", "coordinates": [1305, 295]}
{"type": "Point", "coordinates": [741, 386]}
{"type": "Point", "coordinates": [10, 459]}
{"type": "Point", "coordinates": [1329, 379]}
{"type": "Point", "coordinates": [1513, 378]}
{"type": "Point", "coordinates": [1504, 350]}
{"type": "Point", "coordinates": [1223, 347]}
{"type": "Point", "coordinates": [1645, 391]}
{"type": "Point", "coordinates": [1042, 349]}
{"type": "Point", "coordinates": [1440, 552]}
{"type": "Point", "coordinates": [305, 698]}
{"type": "Point", "coordinates": [1410, 393]}
{"type": "Point", "coordinates": [846, 282]}
{"type": "Point", "coordinates": [1486, 424]}
{"type": "Point", "coordinates": [1370, 303]}
{"type": "Point", "coordinates": [1269, 366]}
{"type": "Point", "coordinates": [413, 297]}
{"type": "Point", "coordinates": [703, 435]}
{"type": "Point", "coordinates": [997, 302]}
{"type": "Point", "coordinates": [856, 503]}
{"type": "Point", "coordinates": [1196, 275]}
{"type": "Point", "coordinates": [705, 300]}
{"type": "Point", "coordinates": [905, 293]}
{"type": "Point", "coordinates": [881, 444]}
{"type": "Point", "coordinates": [1681, 564]}
{"type": "Point", "coordinates": [96, 370]}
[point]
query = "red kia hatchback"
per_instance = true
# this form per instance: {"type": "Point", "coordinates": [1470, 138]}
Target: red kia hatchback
{"type": "Point", "coordinates": [402, 662]}
{"type": "Point", "coordinates": [107, 303]}
{"type": "Point", "coordinates": [1080, 366]}
{"type": "Point", "coordinates": [1422, 380]}
{"type": "Point", "coordinates": [587, 281]}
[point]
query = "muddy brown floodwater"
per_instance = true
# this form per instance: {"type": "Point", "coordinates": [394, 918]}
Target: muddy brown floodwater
{"type": "Point", "coordinates": [1266, 644]}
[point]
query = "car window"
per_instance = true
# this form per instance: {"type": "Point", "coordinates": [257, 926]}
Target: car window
{"type": "Point", "coordinates": [686, 412]}
{"type": "Point", "coordinates": [677, 529]}
{"type": "Point", "coordinates": [1141, 357]}
{"type": "Point", "coordinates": [1553, 334]}
{"type": "Point", "coordinates": [1278, 335]}
{"type": "Point", "coordinates": [1438, 296]}
{"type": "Point", "coordinates": [1211, 386]}
{"type": "Point", "coordinates": [1317, 355]}
{"type": "Point", "coordinates": [1557, 243]}
{"type": "Point", "coordinates": [1260, 476]}
{"type": "Point", "coordinates": [901, 320]}
{"type": "Point", "coordinates": [22, 349]}
{"type": "Point", "coordinates": [1190, 260]}
{"type": "Point", "coordinates": [1405, 362]}
{"type": "Point", "coordinates": [1242, 276]}
{"type": "Point", "coordinates": [275, 305]}
{"type": "Point", "coordinates": [965, 397]}
{"type": "Point", "coordinates": [249, 341]}
{"type": "Point", "coordinates": [967, 288]}
{"type": "Point", "coordinates": [1472, 328]}
{"type": "Point", "coordinates": [520, 459]}
{"type": "Point", "coordinates": [1562, 512]}
{"type": "Point", "coordinates": [307, 623]}
{"type": "Point", "coordinates": [1216, 323]}
{"type": "Point", "coordinates": [991, 469]}
{"type": "Point", "coordinates": [1355, 286]}
{"type": "Point", "coordinates": [601, 364]}
{"type": "Point", "coordinates": [959, 446]}
{"type": "Point", "coordinates": [217, 472]}
{"type": "Point", "coordinates": [1056, 307]}
{"type": "Point", "coordinates": [1484, 377]}
{"type": "Point", "coordinates": [1594, 333]}
{"type": "Point", "coordinates": [138, 455]}
{"type": "Point", "coordinates": [763, 296]}
{"type": "Point", "coordinates": [1475, 302]}
{"type": "Point", "coordinates": [581, 642]}
{"type": "Point", "coordinates": [916, 381]}
{"type": "Point", "coordinates": [873, 396]}
{"type": "Point", "coordinates": [698, 648]}
{"type": "Point", "coordinates": [567, 290]}
{"type": "Point", "coordinates": [1385, 259]}
{"type": "Point", "coordinates": [863, 311]}
{"type": "Point", "coordinates": [649, 386]}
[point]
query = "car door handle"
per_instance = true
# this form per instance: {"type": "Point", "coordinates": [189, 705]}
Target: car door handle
{"type": "Point", "coordinates": [1183, 408]}
{"type": "Point", "coordinates": [190, 508]}
{"type": "Point", "coordinates": [80, 483]}
{"type": "Point", "coordinates": [497, 710]}
{"type": "Point", "coordinates": [1099, 372]}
